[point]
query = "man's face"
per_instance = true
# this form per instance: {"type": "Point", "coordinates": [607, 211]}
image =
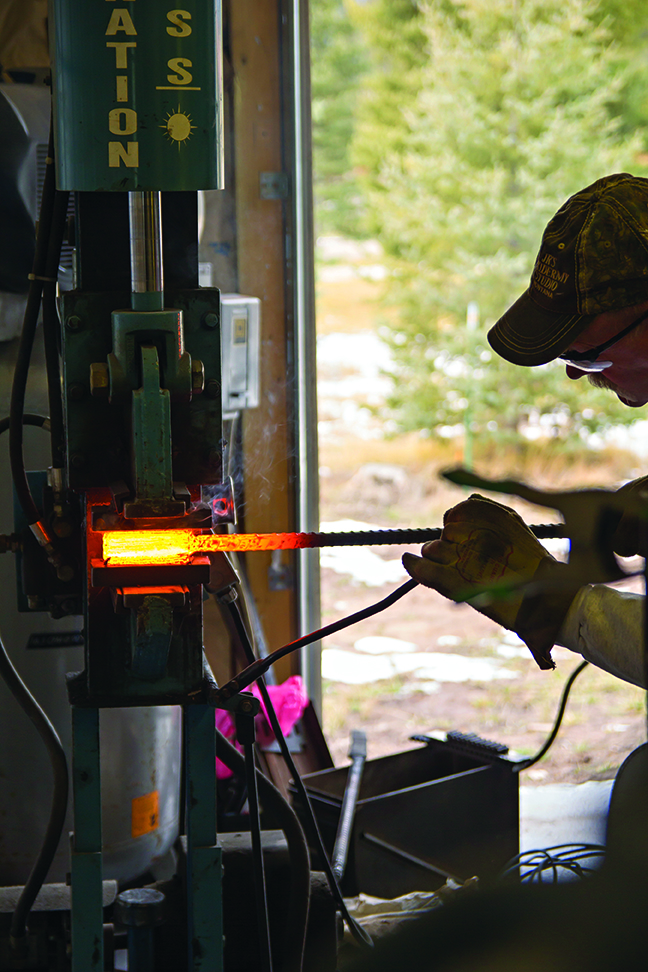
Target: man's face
{"type": "Point", "coordinates": [627, 377]}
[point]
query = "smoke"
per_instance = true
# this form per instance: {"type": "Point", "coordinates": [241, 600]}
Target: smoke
{"type": "Point", "coordinates": [259, 459]}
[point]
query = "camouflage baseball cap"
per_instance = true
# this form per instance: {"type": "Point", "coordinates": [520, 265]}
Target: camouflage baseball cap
{"type": "Point", "coordinates": [593, 258]}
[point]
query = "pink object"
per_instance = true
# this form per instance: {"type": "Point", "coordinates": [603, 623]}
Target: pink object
{"type": "Point", "coordinates": [289, 700]}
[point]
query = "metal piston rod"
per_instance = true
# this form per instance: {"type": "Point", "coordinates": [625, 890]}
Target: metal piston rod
{"type": "Point", "coordinates": [145, 220]}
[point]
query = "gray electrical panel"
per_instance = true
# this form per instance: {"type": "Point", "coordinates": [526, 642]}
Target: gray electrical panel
{"type": "Point", "coordinates": [240, 338]}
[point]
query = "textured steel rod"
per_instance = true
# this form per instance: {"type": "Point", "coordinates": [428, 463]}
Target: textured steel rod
{"type": "Point", "coordinates": [418, 535]}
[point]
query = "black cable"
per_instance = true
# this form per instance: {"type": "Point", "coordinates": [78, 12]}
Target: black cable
{"type": "Point", "coordinates": [245, 735]}
{"type": "Point", "coordinates": [359, 933]}
{"type": "Point", "coordinates": [261, 665]}
{"type": "Point", "coordinates": [51, 327]}
{"type": "Point", "coordinates": [59, 763]}
{"type": "Point", "coordinates": [298, 902]}
{"type": "Point", "coordinates": [48, 734]}
{"type": "Point", "coordinates": [567, 857]}
{"type": "Point", "coordinates": [557, 723]}
{"type": "Point", "coordinates": [29, 418]}
{"type": "Point", "coordinates": [21, 370]}
{"type": "Point", "coordinates": [251, 610]}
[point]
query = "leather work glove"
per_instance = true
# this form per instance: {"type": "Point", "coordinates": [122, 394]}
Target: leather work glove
{"type": "Point", "coordinates": [485, 543]}
{"type": "Point", "coordinates": [629, 538]}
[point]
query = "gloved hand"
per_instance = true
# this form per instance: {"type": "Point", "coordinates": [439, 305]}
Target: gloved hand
{"type": "Point", "coordinates": [629, 538]}
{"type": "Point", "coordinates": [484, 543]}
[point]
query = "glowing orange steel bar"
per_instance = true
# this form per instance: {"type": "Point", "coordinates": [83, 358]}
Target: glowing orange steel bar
{"type": "Point", "coordinates": [132, 547]}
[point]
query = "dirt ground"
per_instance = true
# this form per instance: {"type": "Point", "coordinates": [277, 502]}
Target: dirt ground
{"type": "Point", "coordinates": [605, 718]}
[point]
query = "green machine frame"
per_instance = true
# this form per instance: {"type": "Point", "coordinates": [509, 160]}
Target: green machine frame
{"type": "Point", "coordinates": [137, 115]}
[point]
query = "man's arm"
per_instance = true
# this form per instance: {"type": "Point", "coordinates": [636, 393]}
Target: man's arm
{"type": "Point", "coordinates": [606, 627]}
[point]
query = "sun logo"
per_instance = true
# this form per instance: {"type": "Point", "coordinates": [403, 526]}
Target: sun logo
{"type": "Point", "coordinates": [178, 127]}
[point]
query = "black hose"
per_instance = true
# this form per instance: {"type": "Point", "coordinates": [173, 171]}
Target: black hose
{"type": "Point", "coordinates": [558, 720]}
{"type": "Point", "coordinates": [250, 609]}
{"type": "Point", "coordinates": [51, 328]}
{"type": "Point", "coordinates": [357, 931]}
{"type": "Point", "coordinates": [245, 735]}
{"type": "Point", "coordinates": [29, 418]}
{"type": "Point", "coordinates": [19, 475]}
{"type": "Point", "coordinates": [48, 734]}
{"type": "Point", "coordinates": [261, 665]}
{"type": "Point", "coordinates": [299, 898]}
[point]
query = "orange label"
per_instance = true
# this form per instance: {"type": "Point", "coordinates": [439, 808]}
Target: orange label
{"type": "Point", "coordinates": [145, 814]}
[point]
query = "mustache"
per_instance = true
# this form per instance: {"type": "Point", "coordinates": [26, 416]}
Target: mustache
{"type": "Point", "coordinates": [599, 380]}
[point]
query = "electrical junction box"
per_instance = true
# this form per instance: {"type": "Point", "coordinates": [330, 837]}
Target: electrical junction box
{"type": "Point", "coordinates": [240, 349]}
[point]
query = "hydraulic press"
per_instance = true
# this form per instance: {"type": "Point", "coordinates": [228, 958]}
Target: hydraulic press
{"type": "Point", "coordinates": [137, 94]}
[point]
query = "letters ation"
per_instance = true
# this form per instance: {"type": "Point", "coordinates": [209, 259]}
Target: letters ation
{"type": "Point", "coordinates": [122, 121]}
{"type": "Point", "coordinates": [128, 154]}
{"type": "Point", "coordinates": [120, 20]}
{"type": "Point", "coordinates": [121, 52]}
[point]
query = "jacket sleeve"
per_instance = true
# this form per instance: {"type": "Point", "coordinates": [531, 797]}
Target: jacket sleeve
{"type": "Point", "coordinates": [606, 627]}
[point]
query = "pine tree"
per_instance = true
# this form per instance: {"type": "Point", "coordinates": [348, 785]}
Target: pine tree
{"type": "Point", "coordinates": [518, 104]}
{"type": "Point", "coordinates": [338, 61]}
{"type": "Point", "coordinates": [396, 52]}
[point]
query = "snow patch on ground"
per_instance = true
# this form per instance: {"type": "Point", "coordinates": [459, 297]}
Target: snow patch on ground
{"type": "Point", "coordinates": [364, 566]}
{"type": "Point", "coordinates": [339, 665]}
{"type": "Point", "coordinates": [379, 645]}
{"type": "Point", "coordinates": [360, 563]}
{"type": "Point", "coordinates": [351, 381]}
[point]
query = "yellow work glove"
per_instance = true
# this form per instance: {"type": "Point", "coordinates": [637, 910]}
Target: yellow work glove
{"type": "Point", "coordinates": [485, 543]}
{"type": "Point", "coordinates": [629, 538]}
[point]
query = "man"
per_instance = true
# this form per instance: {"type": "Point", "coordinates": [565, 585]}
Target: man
{"type": "Point", "coordinates": [587, 304]}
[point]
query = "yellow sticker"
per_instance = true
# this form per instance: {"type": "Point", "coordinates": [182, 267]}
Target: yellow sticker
{"type": "Point", "coordinates": [145, 814]}
{"type": "Point", "coordinates": [239, 328]}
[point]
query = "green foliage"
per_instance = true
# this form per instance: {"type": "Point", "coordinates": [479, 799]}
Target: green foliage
{"type": "Point", "coordinates": [396, 52]}
{"type": "Point", "coordinates": [513, 106]}
{"type": "Point", "coordinates": [338, 61]}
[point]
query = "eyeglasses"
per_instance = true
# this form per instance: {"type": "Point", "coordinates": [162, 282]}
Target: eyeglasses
{"type": "Point", "coordinates": [588, 360]}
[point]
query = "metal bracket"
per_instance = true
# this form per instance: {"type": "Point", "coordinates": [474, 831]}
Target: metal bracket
{"type": "Point", "coordinates": [273, 185]}
{"type": "Point", "coordinates": [280, 575]}
{"type": "Point", "coordinates": [132, 329]}
{"type": "Point", "coordinates": [152, 444]}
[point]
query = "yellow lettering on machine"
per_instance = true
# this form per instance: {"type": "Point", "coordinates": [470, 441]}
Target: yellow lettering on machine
{"type": "Point", "coordinates": [122, 121]}
{"type": "Point", "coordinates": [177, 18]}
{"type": "Point", "coordinates": [182, 76]}
{"type": "Point", "coordinates": [121, 51]}
{"type": "Point", "coordinates": [127, 154]}
{"type": "Point", "coordinates": [120, 20]}
{"type": "Point", "coordinates": [145, 814]}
